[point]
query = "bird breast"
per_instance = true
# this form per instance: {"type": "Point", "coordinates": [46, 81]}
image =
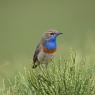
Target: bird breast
{"type": "Point", "coordinates": [49, 51]}
{"type": "Point", "coordinates": [44, 57]}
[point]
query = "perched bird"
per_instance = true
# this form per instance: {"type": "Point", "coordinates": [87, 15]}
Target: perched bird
{"type": "Point", "coordinates": [45, 50]}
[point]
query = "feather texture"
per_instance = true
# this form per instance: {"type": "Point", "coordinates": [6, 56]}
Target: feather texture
{"type": "Point", "coordinates": [46, 48]}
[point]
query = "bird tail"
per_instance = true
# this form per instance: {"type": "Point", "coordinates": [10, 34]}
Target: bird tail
{"type": "Point", "coordinates": [34, 66]}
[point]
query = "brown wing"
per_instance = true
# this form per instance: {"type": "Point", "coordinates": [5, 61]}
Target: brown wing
{"type": "Point", "coordinates": [35, 57]}
{"type": "Point", "coordinates": [38, 48]}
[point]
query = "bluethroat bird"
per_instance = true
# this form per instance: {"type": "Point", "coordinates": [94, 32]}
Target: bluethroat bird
{"type": "Point", "coordinates": [46, 49]}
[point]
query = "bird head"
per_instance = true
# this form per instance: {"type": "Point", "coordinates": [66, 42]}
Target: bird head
{"type": "Point", "coordinates": [49, 39]}
{"type": "Point", "coordinates": [51, 34]}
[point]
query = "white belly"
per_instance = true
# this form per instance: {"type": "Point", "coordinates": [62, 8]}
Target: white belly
{"type": "Point", "coordinates": [44, 58]}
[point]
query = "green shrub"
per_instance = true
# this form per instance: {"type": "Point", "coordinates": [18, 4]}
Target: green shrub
{"type": "Point", "coordinates": [66, 76]}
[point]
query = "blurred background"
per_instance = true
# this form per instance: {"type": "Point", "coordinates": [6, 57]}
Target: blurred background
{"type": "Point", "coordinates": [22, 23]}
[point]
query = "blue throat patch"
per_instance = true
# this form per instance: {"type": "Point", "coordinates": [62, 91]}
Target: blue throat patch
{"type": "Point", "coordinates": [50, 43]}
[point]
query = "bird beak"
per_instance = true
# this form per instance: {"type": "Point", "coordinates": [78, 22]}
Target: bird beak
{"type": "Point", "coordinates": [59, 33]}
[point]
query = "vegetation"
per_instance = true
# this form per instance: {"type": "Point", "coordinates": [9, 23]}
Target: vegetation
{"type": "Point", "coordinates": [66, 76]}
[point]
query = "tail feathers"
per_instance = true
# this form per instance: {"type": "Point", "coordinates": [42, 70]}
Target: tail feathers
{"type": "Point", "coordinates": [34, 66]}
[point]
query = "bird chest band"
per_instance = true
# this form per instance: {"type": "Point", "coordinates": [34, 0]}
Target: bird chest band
{"type": "Point", "coordinates": [45, 50]}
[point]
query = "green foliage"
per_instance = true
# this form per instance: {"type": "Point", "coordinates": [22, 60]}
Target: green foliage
{"type": "Point", "coordinates": [66, 76]}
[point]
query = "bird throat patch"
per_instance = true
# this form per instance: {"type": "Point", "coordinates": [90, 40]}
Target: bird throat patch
{"type": "Point", "coordinates": [48, 51]}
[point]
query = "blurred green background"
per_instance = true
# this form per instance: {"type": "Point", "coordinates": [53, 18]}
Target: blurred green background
{"type": "Point", "coordinates": [22, 23]}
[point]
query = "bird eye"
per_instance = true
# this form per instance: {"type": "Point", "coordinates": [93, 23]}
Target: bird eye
{"type": "Point", "coordinates": [51, 33]}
